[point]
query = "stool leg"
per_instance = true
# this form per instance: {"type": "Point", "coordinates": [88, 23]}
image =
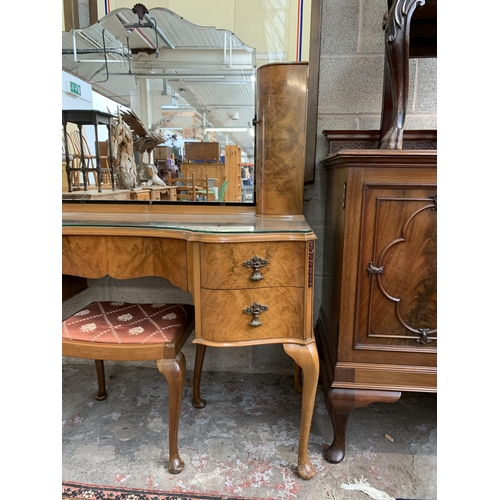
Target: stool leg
{"type": "Point", "coordinates": [198, 402]}
{"type": "Point", "coordinates": [174, 371]}
{"type": "Point", "coordinates": [101, 393]}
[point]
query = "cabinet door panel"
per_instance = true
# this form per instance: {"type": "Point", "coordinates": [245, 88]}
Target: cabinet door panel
{"type": "Point", "coordinates": [397, 279]}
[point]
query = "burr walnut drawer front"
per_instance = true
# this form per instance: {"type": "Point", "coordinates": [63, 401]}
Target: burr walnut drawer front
{"type": "Point", "coordinates": [265, 313]}
{"type": "Point", "coordinates": [253, 265]}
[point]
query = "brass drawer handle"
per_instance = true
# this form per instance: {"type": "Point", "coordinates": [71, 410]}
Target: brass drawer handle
{"type": "Point", "coordinates": [255, 309]}
{"type": "Point", "coordinates": [256, 263]}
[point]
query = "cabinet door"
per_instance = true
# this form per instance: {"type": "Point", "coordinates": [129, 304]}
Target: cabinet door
{"type": "Point", "coordinates": [397, 275]}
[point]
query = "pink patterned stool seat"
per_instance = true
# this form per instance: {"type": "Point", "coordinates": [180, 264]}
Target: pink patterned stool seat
{"type": "Point", "coordinates": [125, 323]}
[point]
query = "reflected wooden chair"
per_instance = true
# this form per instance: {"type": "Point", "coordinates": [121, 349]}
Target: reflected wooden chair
{"type": "Point", "coordinates": [135, 332]}
{"type": "Point", "coordinates": [207, 188]}
{"type": "Point", "coordinates": [83, 157]}
{"type": "Point", "coordinates": [105, 165]}
{"type": "Point", "coordinates": [169, 180]}
{"type": "Point", "coordinates": [75, 162]}
{"type": "Point", "coordinates": [74, 176]}
{"type": "Point", "coordinates": [186, 188]}
{"type": "Point", "coordinates": [197, 188]}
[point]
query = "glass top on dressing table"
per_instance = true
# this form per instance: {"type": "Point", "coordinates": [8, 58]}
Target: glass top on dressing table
{"type": "Point", "coordinates": [202, 223]}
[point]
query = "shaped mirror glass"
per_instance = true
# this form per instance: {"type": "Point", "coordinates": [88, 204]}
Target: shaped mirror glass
{"type": "Point", "coordinates": [189, 90]}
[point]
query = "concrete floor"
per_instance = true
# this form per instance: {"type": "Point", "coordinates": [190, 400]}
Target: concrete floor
{"type": "Point", "coordinates": [244, 442]}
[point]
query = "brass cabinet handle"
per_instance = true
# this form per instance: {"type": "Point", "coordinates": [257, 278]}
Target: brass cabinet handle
{"type": "Point", "coordinates": [255, 309]}
{"type": "Point", "coordinates": [374, 270]}
{"type": "Point", "coordinates": [424, 336]}
{"type": "Point", "coordinates": [256, 263]}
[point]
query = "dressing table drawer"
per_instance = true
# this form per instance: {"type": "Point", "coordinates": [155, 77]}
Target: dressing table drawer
{"type": "Point", "coordinates": [223, 317]}
{"type": "Point", "coordinates": [253, 265]}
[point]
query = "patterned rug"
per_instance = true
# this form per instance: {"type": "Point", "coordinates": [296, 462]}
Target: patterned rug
{"type": "Point", "coordinates": [79, 491]}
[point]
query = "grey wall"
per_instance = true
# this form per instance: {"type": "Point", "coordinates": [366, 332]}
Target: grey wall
{"type": "Point", "coordinates": [350, 97]}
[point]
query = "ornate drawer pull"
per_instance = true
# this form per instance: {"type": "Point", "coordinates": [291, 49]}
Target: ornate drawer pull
{"type": "Point", "coordinates": [255, 309]}
{"type": "Point", "coordinates": [255, 263]}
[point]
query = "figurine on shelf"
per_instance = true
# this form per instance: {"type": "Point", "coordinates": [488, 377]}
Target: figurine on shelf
{"type": "Point", "coordinates": [148, 175]}
{"type": "Point", "coordinates": [144, 142]}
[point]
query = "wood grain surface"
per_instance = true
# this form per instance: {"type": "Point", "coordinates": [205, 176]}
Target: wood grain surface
{"type": "Point", "coordinates": [124, 257]}
{"type": "Point", "coordinates": [223, 264]}
{"type": "Point", "coordinates": [223, 319]}
{"type": "Point", "coordinates": [280, 138]}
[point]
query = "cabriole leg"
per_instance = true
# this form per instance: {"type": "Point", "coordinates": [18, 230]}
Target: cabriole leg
{"type": "Point", "coordinates": [174, 371]}
{"type": "Point", "coordinates": [340, 403]}
{"type": "Point", "coordinates": [306, 356]}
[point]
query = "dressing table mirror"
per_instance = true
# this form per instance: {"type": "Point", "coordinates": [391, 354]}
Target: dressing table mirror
{"type": "Point", "coordinates": [192, 90]}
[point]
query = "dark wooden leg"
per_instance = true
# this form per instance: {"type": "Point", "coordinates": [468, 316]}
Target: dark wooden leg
{"type": "Point", "coordinates": [174, 371]}
{"type": "Point", "coordinates": [101, 393]}
{"type": "Point", "coordinates": [198, 402]}
{"type": "Point", "coordinates": [340, 403]}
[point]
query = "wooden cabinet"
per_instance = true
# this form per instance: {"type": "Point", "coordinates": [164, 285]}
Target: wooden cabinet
{"type": "Point", "coordinates": [377, 328]}
{"type": "Point", "coordinates": [162, 153]}
{"type": "Point", "coordinates": [200, 170]}
{"type": "Point", "coordinates": [207, 151]}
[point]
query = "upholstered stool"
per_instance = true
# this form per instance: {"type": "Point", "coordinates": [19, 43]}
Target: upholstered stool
{"type": "Point", "coordinates": [136, 332]}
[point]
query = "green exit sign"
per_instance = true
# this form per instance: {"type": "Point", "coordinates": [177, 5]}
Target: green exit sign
{"type": "Point", "coordinates": [74, 88]}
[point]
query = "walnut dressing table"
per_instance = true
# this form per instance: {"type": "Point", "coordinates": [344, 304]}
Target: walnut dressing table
{"type": "Point", "coordinates": [250, 269]}
{"type": "Point", "coordinates": [251, 278]}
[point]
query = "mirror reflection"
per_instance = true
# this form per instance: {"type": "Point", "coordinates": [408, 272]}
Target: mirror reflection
{"type": "Point", "coordinates": [157, 108]}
